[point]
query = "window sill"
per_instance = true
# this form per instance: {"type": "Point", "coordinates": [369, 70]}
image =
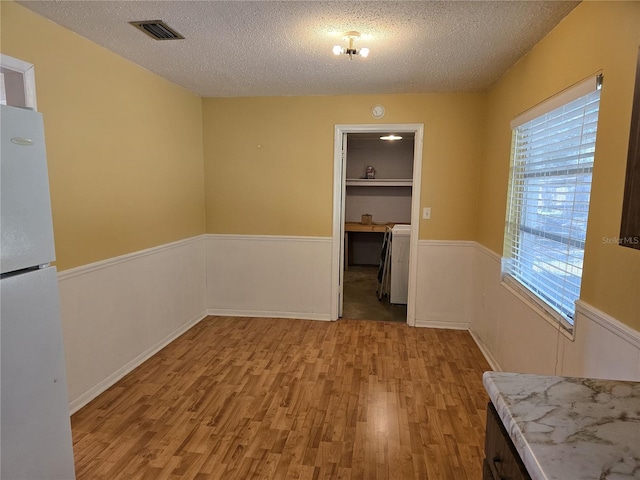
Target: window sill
{"type": "Point", "coordinates": [567, 331]}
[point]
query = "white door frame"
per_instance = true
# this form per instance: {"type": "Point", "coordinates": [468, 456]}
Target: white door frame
{"type": "Point", "coordinates": [339, 191]}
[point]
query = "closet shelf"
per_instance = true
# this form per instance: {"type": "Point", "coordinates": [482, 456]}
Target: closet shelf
{"type": "Point", "coordinates": [379, 182]}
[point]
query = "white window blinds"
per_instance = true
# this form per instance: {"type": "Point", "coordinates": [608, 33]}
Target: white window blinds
{"type": "Point", "coordinates": [552, 154]}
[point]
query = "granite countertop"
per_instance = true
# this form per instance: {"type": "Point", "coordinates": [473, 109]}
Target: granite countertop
{"type": "Point", "coordinates": [570, 428]}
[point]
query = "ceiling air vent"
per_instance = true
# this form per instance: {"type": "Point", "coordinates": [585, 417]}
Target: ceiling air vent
{"type": "Point", "coordinates": [157, 29]}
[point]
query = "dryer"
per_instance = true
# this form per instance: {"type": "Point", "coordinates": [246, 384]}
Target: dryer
{"type": "Point", "coordinates": [401, 239]}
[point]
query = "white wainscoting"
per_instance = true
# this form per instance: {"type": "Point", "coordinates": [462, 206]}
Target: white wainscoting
{"type": "Point", "coordinates": [515, 337]}
{"type": "Point", "coordinates": [119, 312]}
{"type": "Point", "coordinates": [269, 276]}
{"type": "Point", "coordinates": [603, 347]}
{"type": "Point", "coordinates": [444, 286]}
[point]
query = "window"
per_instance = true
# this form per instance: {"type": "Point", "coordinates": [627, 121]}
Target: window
{"type": "Point", "coordinates": [552, 154]}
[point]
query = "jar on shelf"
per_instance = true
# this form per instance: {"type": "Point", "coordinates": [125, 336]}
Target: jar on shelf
{"type": "Point", "coordinates": [371, 172]}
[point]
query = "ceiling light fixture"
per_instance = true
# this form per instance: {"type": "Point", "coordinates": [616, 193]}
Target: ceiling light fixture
{"type": "Point", "coordinates": [391, 137]}
{"type": "Point", "coordinates": [351, 50]}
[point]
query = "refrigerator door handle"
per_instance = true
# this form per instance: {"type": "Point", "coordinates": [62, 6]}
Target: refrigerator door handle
{"type": "Point", "coordinates": [22, 141]}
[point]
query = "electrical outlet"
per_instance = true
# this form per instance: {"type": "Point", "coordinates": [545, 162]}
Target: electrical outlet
{"type": "Point", "coordinates": [426, 213]}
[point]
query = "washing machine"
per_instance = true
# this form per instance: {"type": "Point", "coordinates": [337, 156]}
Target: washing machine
{"type": "Point", "coordinates": [400, 240]}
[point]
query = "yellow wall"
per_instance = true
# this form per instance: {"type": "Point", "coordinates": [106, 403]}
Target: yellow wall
{"type": "Point", "coordinates": [124, 146]}
{"type": "Point", "coordinates": [269, 161]}
{"type": "Point", "coordinates": [596, 36]}
{"type": "Point", "coordinates": [127, 149]}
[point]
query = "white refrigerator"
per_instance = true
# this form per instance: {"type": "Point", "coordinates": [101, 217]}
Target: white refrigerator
{"type": "Point", "coordinates": [35, 428]}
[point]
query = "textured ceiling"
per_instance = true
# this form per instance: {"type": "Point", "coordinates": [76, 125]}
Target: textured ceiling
{"type": "Point", "coordinates": [275, 48]}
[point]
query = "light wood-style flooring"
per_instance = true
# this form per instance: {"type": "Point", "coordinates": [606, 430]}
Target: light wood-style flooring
{"type": "Point", "coordinates": [243, 398]}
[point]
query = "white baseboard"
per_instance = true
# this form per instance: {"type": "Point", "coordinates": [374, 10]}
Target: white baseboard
{"type": "Point", "coordinates": [268, 314]}
{"type": "Point", "coordinates": [485, 352]}
{"type": "Point", "coordinates": [96, 390]}
{"type": "Point", "coordinates": [443, 325]}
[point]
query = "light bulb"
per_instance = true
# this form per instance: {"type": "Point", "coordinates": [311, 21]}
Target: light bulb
{"type": "Point", "coordinates": [337, 50]}
{"type": "Point", "coordinates": [364, 52]}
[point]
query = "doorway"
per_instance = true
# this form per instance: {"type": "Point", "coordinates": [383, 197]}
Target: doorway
{"type": "Point", "coordinates": [392, 192]}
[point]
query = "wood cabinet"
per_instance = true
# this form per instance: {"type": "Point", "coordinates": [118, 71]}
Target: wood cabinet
{"type": "Point", "coordinates": [502, 461]}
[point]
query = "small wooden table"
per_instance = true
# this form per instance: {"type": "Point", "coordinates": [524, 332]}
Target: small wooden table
{"type": "Point", "coordinates": [360, 227]}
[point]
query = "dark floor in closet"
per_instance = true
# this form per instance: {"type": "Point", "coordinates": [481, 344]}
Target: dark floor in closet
{"type": "Point", "coordinates": [361, 300]}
